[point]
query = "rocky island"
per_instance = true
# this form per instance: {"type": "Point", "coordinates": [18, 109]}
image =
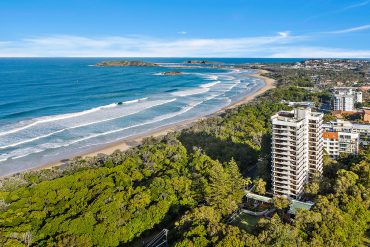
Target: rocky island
{"type": "Point", "coordinates": [125, 63]}
{"type": "Point", "coordinates": [201, 62]}
{"type": "Point", "coordinates": [172, 73]}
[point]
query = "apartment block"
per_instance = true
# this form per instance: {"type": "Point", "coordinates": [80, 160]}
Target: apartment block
{"type": "Point", "coordinates": [344, 98]}
{"type": "Point", "coordinates": [358, 96]}
{"type": "Point", "coordinates": [297, 150]}
{"type": "Point", "coordinates": [340, 125]}
{"type": "Point", "coordinates": [336, 143]}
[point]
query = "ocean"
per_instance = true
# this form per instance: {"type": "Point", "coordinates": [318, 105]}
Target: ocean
{"type": "Point", "coordinates": [55, 108]}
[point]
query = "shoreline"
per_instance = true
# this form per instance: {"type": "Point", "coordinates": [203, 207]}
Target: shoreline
{"type": "Point", "coordinates": [136, 140]}
{"type": "Point", "coordinates": [269, 84]}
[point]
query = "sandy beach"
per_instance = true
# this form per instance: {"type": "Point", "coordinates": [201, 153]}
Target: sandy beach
{"type": "Point", "coordinates": [129, 142]}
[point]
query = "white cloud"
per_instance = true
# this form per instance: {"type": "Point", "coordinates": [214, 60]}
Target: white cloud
{"type": "Point", "coordinates": [284, 34]}
{"type": "Point", "coordinates": [182, 32]}
{"type": "Point", "coordinates": [340, 10]}
{"type": "Point", "coordinates": [282, 44]}
{"type": "Point", "coordinates": [356, 5]}
{"type": "Point", "coordinates": [139, 46]}
{"type": "Point", "coordinates": [351, 30]}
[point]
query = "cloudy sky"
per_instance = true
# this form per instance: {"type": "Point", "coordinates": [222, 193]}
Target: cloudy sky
{"type": "Point", "coordinates": [185, 28]}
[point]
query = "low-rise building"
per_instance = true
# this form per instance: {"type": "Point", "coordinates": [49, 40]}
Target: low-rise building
{"type": "Point", "coordinates": [336, 143]}
{"type": "Point", "coordinates": [343, 114]}
{"type": "Point", "coordinates": [331, 143]}
{"type": "Point", "coordinates": [345, 98]}
{"type": "Point", "coordinates": [339, 125]}
{"type": "Point", "coordinates": [299, 104]}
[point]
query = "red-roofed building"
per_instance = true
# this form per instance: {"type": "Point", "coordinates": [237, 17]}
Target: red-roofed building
{"type": "Point", "coordinates": [364, 88]}
{"type": "Point", "coordinates": [340, 142]}
{"type": "Point", "coordinates": [330, 135]}
{"type": "Point", "coordinates": [366, 115]}
{"type": "Point", "coordinates": [343, 114]}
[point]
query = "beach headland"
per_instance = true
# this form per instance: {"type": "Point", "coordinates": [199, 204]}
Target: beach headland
{"type": "Point", "coordinates": [133, 141]}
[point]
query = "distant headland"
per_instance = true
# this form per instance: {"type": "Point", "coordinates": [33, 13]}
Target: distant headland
{"type": "Point", "coordinates": [128, 63]}
{"type": "Point", "coordinates": [125, 63]}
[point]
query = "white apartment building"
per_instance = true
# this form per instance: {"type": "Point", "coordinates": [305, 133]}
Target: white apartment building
{"type": "Point", "coordinates": [336, 143]}
{"type": "Point", "coordinates": [344, 98]}
{"type": "Point", "coordinates": [343, 102]}
{"type": "Point", "coordinates": [358, 96]}
{"type": "Point", "coordinates": [340, 125]}
{"type": "Point", "coordinates": [297, 150]}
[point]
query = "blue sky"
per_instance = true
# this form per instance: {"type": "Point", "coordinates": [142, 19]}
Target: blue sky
{"type": "Point", "coordinates": [183, 28]}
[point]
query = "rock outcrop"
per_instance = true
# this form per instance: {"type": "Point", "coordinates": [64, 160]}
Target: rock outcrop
{"type": "Point", "coordinates": [172, 73]}
{"type": "Point", "coordinates": [125, 63]}
{"type": "Point", "coordinates": [201, 62]}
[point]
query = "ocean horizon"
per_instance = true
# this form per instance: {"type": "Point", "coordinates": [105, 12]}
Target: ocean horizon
{"type": "Point", "coordinates": [54, 108]}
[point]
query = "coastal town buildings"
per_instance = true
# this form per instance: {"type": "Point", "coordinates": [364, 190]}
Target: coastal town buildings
{"type": "Point", "coordinates": [339, 125]}
{"type": "Point", "coordinates": [297, 150]}
{"type": "Point", "coordinates": [336, 143]}
{"type": "Point", "coordinates": [345, 98]}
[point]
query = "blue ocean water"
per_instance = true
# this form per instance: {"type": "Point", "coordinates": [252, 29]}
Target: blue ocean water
{"type": "Point", "coordinates": [55, 108]}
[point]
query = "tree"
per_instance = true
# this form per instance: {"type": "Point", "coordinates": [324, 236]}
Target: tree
{"type": "Point", "coordinates": [273, 232]}
{"type": "Point", "coordinates": [225, 189]}
{"type": "Point", "coordinates": [259, 186]}
{"type": "Point", "coordinates": [358, 105]}
{"type": "Point", "coordinates": [313, 186]}
{"type": "Point", "coordinates": [346, 180]}
{"type": "Point", "coordinates": [328, 117]}
{"type": "Point", "coordinates": [280, 202]}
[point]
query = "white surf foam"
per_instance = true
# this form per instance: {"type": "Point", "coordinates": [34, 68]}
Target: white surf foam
{"type": "Point", "coordinates": [211, 84]}
{"type": "Point", "coordinates": [14, 155]}
{"type": "Point", "coordinates": [236, 82]}
{"type": "Point", "coordinates": [86, 124]}
{"type": "Point", "coordinates": [155, 120]}
{"type": "Point", "coordinates": [214, 96]}
{"type": "Point", "coordinates": [189, 92]}
{"type": "Point", "coordinates": [30, 140]}
{"type": "Point", "coordinates": [20, 153]}
{"type": "Point", "coordinates": [211, 77]}
{"type": "Point", "coordinates": [55, 118]}
{"type": "Point", "coordinates": [134, 101]}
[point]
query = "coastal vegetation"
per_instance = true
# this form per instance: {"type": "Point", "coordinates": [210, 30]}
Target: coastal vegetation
{"type": "Point", "coordinates": [189, 182]}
